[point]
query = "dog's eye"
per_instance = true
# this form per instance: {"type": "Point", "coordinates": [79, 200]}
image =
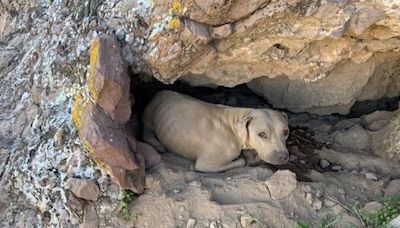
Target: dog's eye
{"type": "Point", "coordinates": [262, 135]}
{"type": "Point", "coordinates": [286, 132]}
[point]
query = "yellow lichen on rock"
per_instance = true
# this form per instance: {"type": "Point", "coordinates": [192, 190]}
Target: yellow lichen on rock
{"type": "Point", "coordinates": [94, 57]}
{"type": "Point", "coordinates": [80, 103]}
{"type": "Point", "coordinates": [77, 109]}
{"type": "Point", "coordinates": [174, 23]}
{"type": "Point", "coordinates": [177, 6]}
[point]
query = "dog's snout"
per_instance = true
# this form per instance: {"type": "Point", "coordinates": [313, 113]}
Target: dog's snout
{"type": "Point", "coordinates": [283, 157]}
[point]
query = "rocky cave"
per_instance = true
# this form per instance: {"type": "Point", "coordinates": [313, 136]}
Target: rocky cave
{"type": "Point", "coordinates": [76, 76]}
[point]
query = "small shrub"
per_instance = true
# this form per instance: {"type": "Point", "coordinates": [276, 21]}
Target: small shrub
{"type": "Point", "coordinates": [126, 198]}
{"type": "Point", "coordinates": [382, 217]}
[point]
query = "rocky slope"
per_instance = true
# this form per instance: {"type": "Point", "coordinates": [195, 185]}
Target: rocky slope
{"type": "Point", "coordinates": [331, 51]}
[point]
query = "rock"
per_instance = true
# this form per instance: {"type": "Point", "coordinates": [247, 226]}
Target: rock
{"type": "Point", "coordinates": [336, 167]}
{"type": "Point", "coordinates": [108, 82]}
{"type": "Point", "coordinates": [372, 207]}
{"type": "Point", "coordinates": [246, 220]}
{"type": "Point", "coordinates": [213, 225]}
{"type": "Point", "coordinates": [84, 189]}
{"type": "Point", "coordinates": [385, 141]}
{"type": "Point", "coordinates": [113, 192]}
{"type": "Point", "coordinates": [99, 118]}
{"type": "Point", "coordinates": [58, 138]}
{"type": "Point", "coordinates": [376, 120]}
{"type": "Point", "coordinates": [349, 221]}
{"type": "Point", "coordinates": [393, 188]}
{"type": "Point", "coordinates": [318, 193]}
{"type": "Point", "coordinates": [149, 182]}
{"type": "Point", "coordinates": [75, 204]}
{"type": "Point", "coordinates": [355, 138]}
{"type": "Point", "coordinates": [329, 203]}
{"type": "Point", "coordinates": [90, 218]}
{"type": "Point", "coordinates": [395, 222]}
{"type": "Point", "coordinates": [371, 176]}
{"type": "Point", "coordinates": [293, 158]}
{"type": "Point", "coordinates": [281, 184]}
{"type": "Point", "coordinates": [26, 219]}
{"type": "Point", "coordinates": [363, 18]}
{"type": "Point", "coordinates": [191, 223]}
{"type": "Point", "coordinates": [110, 145]}
{"type": "Point", "coordinates": [323, 66]}
{"type": "Point", "coordinates": [222, 32]}
{"type": "Point", "coordinates": [324, 163]}
{"type": "Point", "coordinates": [317, 204]}
{"type": "Point", "coordinates": [309, 198]}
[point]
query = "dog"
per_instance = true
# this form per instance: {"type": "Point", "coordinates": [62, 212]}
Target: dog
{"type": "Point", "coordinates": [214, 135]}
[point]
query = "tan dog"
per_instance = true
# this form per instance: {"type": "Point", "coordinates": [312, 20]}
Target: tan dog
{"type": "Point", "coordinates": [214, 135]}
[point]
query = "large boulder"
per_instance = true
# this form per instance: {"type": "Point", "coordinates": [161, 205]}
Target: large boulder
{"type": "Point", "coordinates": [386, 140]}
{"type": "Point", "coordinates": [314, 56]}
{"type": "Point", "coordinates": [100, 116]}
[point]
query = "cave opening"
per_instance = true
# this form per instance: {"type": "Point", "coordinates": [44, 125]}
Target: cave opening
{"type": "Point", "coordinates": [307, 133]}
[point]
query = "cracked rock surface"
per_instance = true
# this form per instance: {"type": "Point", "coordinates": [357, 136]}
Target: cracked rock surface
{"type": "Point", "coordinates": [314, 56]}
{"type": "Point", "coordinates": [329, 53]}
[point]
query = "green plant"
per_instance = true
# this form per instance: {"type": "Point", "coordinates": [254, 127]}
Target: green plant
{"type": "Point", "coordinates": [385, 214]}
{"type": "Point", "coordinates": [329, 220]}
{"type": "Point", "coordinates": [126, 197]}
{"type": "Point", "coordinates": [300, 224]}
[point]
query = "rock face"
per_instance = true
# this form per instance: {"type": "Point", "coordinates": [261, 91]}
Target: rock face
{"type": "Point", "coordinates": [386, 141]}
{"type": "Point", "coordinates": [100, 122]}
{"type": "Point", "coordinates": [314, 56]}
{"type": "Point", "coordinates": [44, 53]}
{"type": "Point", "coordinates": [108, 81]}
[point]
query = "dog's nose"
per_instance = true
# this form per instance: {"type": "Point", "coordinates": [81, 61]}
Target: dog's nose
{"type": "Point", "coordinates": [283, 158]}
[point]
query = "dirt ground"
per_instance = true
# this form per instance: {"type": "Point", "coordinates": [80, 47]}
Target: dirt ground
{"type": "Point", "coordinates": [330, 184]}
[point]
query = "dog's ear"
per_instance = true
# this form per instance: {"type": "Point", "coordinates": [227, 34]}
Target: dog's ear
{"type": "Point", "coordinates": [242, 129]}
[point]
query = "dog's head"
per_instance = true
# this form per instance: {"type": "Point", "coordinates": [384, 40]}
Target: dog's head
{"type": "Point", "coordinates": [266, 132]}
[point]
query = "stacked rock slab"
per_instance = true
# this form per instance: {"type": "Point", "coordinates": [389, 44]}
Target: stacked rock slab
{"type": "Point", "coordinates": [100, 116]}
{"type": "Point", "coordinates": [305, 56]}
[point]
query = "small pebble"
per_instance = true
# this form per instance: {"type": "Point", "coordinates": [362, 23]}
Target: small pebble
{"type": "Point", "coordinates": [191, 223]}
{"type": "Point", "coordinates": [294, 150]}
{"type": "Point", "coordinates": [336, 168]}
{"type": "Point", "coordinates": [58, 137]}
{"type": "Point", "coordinates": [177, 191]}
{"type": "Point", "coordinates": [324, 163]}
{"type": "Point", "coordinates": [317, 204]}
{"type": "Point", "coordinates": [293, 158]}
{"type": "Point", "coordinates": [318, 193]}
{"type": "Point", "coordinates": [213, 225]}
{"type": "Point", "coordinates": [309, 198]}
{"type": "Point", "coordinates": [246, 220]}
{"type": "Point", "coordinates": [371, 176]}
{"type": "Point", "coordinates": [329, 203]}
{"type": "Point", "coordinates": [372, 207]}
